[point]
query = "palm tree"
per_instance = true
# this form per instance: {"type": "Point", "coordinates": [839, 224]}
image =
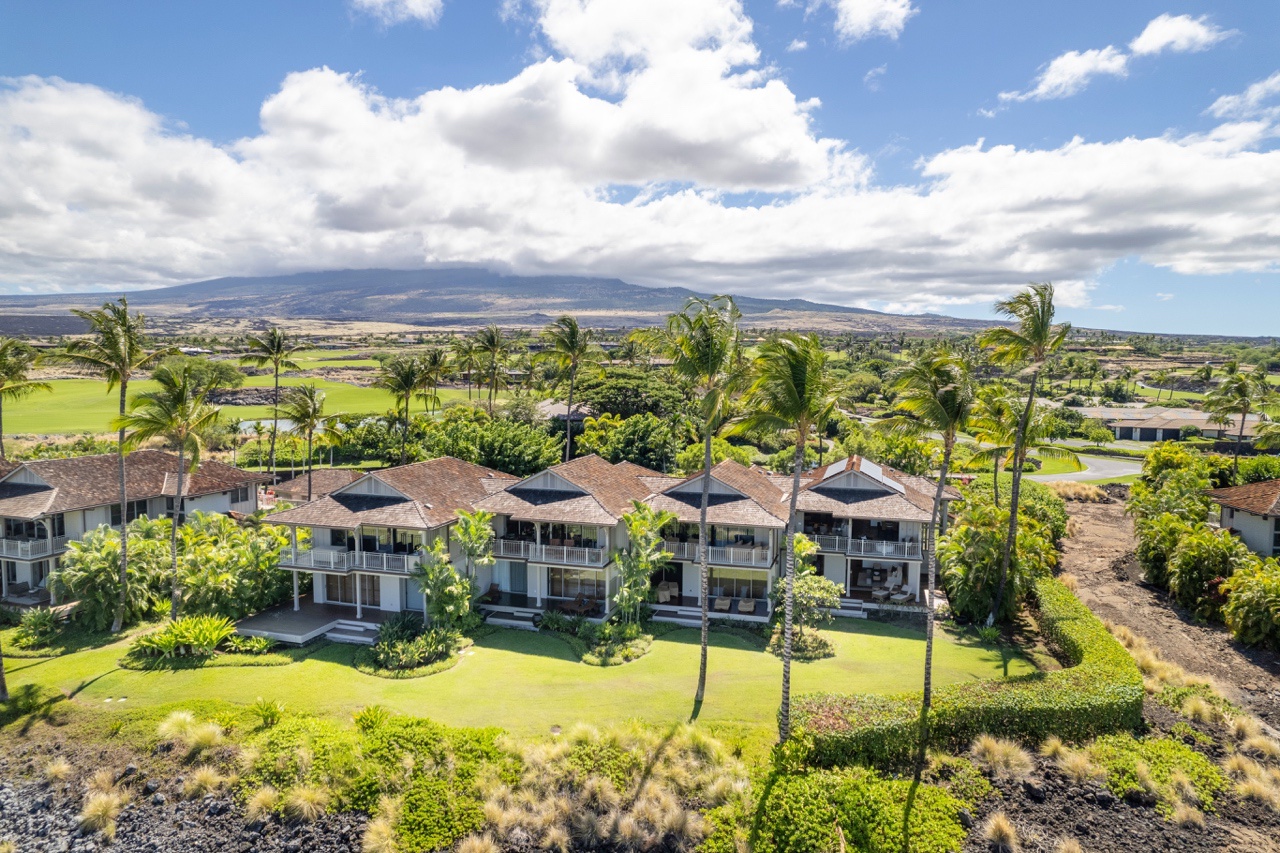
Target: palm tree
{"type": "Point", "coordinates": [466, 358]}
{"type": "Point", "coordinates": [435, 366]}
{"type": "Point", "coordinates": [935, 393]}
{"type": "Point", "coordinates": [1159, 379]}
{"type": "Point", "coordinates": [572, 348]}
{"type": "Point", "coordinates": [1241, 394]}
{"type": "Point", "coordinates": [178, 413]}
{"type": "Point", "coordinates": [1204, 373]}
{"type": "Point", "coordinates": [703, 343]}
{"type": "Point", "coordinates": [116, 350]}
{"type": "Point", "coordinates": [259, 430]}
{"type": "Point", "coordinates": [791, 391]}
{"type": "Point", "coordinates": [403, 378]}
{"type": "Point", "coordinates": [274, 348]}
{"type": "Point", "coordinates": [995, 422]}
{"type": "Point", "coordinates": [304, 406]}
{"type": "Point", "coordinates": [16, 362]}
{"type": "Point", "coordinates": [493, 348]}
{"type": "Point", "coordinates": [1033, 339]}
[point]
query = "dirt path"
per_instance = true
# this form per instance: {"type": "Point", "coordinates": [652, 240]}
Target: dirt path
{"type": "Point", "coordinates": [1100, 554]}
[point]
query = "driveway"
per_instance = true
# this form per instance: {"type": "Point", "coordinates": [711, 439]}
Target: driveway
{"type": "Point", "coordinates": [1096, 468]}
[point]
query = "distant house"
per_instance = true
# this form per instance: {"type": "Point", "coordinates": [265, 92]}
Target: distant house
{"type": "Point", "coordinates": [46, 504]}
{"type": "Point", "coordinates": [556, 411]}
{"type": "Point", "coordinates": [324, 481]}
{"type": "Point", "coordinates": [1157, 423]}
{"type": "Point", "coordinates": [1252, 512]}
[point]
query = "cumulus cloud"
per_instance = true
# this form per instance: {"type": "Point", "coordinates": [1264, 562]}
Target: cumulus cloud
{"type": "Point", "coordinates": [1253, 102]}
{"type": "Point", "coordinates": [797, 45]}
{"type": "Point", "coordinates": [1164, 297]}
{"type": "Point", "coordinates": [1178, 33]}
{"type": "Point", "coordinates": [1071, 72]}
{"type": "Point", "coordinates": [861, 19]}
{"type": "Point", "coordinates": [872, 78]}
{"type": "Point", "coordinates": [699, 169]}
{"type": "Point", "coordinates": [399, 11]}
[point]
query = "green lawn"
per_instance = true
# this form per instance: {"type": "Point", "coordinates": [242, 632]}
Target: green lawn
{"type": "Point", "coordinates": [527, 682]}
{"type": "Point", "coordinates": [83, 405]}
{"type": "Point", "coordinates": [1056, 466]}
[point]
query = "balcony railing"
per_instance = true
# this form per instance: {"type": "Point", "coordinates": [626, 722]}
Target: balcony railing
{"type": "Point", "coordinates": [868, 547]}
{"type": "Point", "coordinates": [25, 549]}
{"type": "Point", "coordinates": [757, 557]}
{"type": "Point", "coordinates": [344, 561]}
{"type": "Point", "coordinates": [567, 554]}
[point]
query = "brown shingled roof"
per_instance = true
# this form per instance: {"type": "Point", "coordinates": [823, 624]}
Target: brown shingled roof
{"type": "Point", "coordinates": [1258, 498]}
{"type": "Point", "coordinates": [604, 493]}
{"type": "Point", "coordinates": [761, 504]}
{"type": "Point", "coordinates": [81, 482]}
{"type": "Point", "coordinates": [323, 481]}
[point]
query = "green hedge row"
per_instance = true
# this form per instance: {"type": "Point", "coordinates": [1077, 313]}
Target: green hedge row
{"type": "Point", "coordinates": [1099, 693]}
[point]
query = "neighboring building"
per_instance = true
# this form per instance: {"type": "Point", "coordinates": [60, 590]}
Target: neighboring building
{"type": "Point", "coordinates": [1252, 512]}
{"type": "Point", "coordinates": [324, 481]}
{"type": "Point", "coordinates": [1156, 423]}
{"type": "Point", "coordinates": [46, 504]}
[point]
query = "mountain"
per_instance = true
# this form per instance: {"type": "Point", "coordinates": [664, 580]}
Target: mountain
{"type": "Point", "coordinates": [461, 297]}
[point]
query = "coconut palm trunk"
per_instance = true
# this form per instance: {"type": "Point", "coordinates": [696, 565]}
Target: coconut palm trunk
{"type": "Point", "coordinates": [788, 593]}
{"type": "Point", "coordinates": [703, 572]}
{"type": "Point", "coordinates": [4, 685]}
{"type": "Point", "coordinates": [568, 421]}
{"type": "Point", "coordinates": [117, 621]}
{"type": "Point", "coordinates": [175, 597]}
{"type": "Point", "coordinates": [1015, 488]}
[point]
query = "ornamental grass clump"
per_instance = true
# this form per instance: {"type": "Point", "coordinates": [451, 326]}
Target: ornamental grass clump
{"type": "Point", "coordinates": [202, 780]}
{"type": "Point", "coordinates": [1077, 767]}
{"type": "Point", "coordinates": [1261, 747]}
{"type": "Point", "coordinates": [58, 770]}
{"type": "Point", "coordinates": [100, 810]}
{"type": "Point", "coordinates": [1001, 834]}
{"type": "Point", "coordinates": [1003, 759]}
{"type": "Point", "coordinates": [262, 803]}
{"type": "Point", "coordinates": [1188, 816]}
{"type": "Point", "coordinates": [305, 803]}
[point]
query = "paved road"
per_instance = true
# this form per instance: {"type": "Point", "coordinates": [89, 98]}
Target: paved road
{"type": "Point", "coordinates": [1096, 468]}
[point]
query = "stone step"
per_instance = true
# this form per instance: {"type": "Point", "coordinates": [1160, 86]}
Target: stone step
{"type": "Point", "coordinates": [360, 637]}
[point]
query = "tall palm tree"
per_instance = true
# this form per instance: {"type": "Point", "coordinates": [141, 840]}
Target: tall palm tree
{"type": "Point", "coordinates": [572, 349]}
{"type": "Point", "coordinates": [176, 412]}
{"type": "Point", "coordinates": [435, 366]}
{"type": "Point", "coordinates": [493, 348]}
{"type": "Point", "coordinates": [1033, 339]}
{"type": "Point", "coordinates": [995, 422]}
{"type": "Point", "coordinates": [276, 349]}
{"type": "Point", "coordinates": [304, 406]}
{"type": "Point", "coordinates": [791, 391]}
{"type": "Point", "coordinates": [403, 378]}
{"type": "Point", "coordinates": [259, 430]}
{"type": "Point", "coordinates": [116, 350]}
{"type": "Point", "coordinates": [934, 393]}
{"type": "Point", "coordinates": [466, 358]}
{"type": "Point", "coordinates": [1241, 394]}
{"type": "Point", "coordinates": [16, 362]}
{"type": "Point", "coordinates": [703, 343]}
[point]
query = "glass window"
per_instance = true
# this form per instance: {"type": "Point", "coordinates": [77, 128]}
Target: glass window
{"type": "Point", "coordinates": [569, 583]}
{"type": "Point", "coordinates": [11, 571]}
{"type": "Point", "coordinates": [722, 537]}
{"type": "Point", "coordinates": [738, 583]}
{"type": "Point", "coordinates": [338, 538]}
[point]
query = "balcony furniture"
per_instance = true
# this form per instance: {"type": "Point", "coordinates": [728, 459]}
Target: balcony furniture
{"type": "Point", "coordinates": [723, 604]}
{"type": "Point", "coordinates": [21, 588]}
{"type": "Point", "coordinates": [901, 597]}
{"type": "Point", "coordinates": [880, 595]}
{"type": "Point", "coordinates": [664, 597]}
{"type": "Point", "coordinates": [493, 595]}
{"type": "Point", "coordinates": [747, 605]}
{"type": "Point", "coordinates": [580, 606]}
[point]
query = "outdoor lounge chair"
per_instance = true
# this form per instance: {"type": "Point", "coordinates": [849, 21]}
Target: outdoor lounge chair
{"type": "Point", "coordinates": [664, 597]}
{"type": "Point", "coordinates": [580, 606]}
{"type": "Point", "coordinates": [20, 588]}
{"type": "Point", "coordinates": [901, 597]}
{"type": "Point", "coordinates": [493, 595]}
{"type": "Point", "coordinates": [880, 595]}
{"type": "Point", "coordinates": [723, 604]}
{"type": "Point", "coordinates": [747, 605]}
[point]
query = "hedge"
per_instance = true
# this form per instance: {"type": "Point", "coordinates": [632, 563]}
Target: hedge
{"type": "Point", "coordinates": [1099, 693]}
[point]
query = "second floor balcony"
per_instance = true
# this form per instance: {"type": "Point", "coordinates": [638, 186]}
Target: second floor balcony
{"type": "Point", "coordinates": [26, 549]}
{"type": "Point", "coordinates": [570, 555]}
{"type": "Point", "coordinates": [861, 547]}
{"type": "Point", "coordinates": [345, 561]}
{"type": "Point", "coordinates": [752, 556]}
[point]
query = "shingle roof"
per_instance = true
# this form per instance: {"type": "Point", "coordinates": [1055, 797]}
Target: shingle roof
{"type": "Point", "coordinates": [604, 493]}
{"type": "Point", "coordinates": [323, 482]}
{"type": "Point", "coordinates": [81, 482]}
{"type": "Point", "coordinates": [860, 503]}
{"type": "Point", "coordinates": [434, 491]}
{"type": "Point", "coordinates": [1258, 498]}
{"type": "Point", "coordinates": [914, 502]}
{"type": "Point", "coordinates": [760, 504]}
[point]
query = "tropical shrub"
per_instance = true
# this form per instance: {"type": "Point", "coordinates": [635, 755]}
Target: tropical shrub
{"type": "Point", "coordinates": [228, 569]}
{"type": "Point", "coordinates": [1160, 768]}
{"type": "Point", "coordinates": [1036, 500]}
{"type": "Point", "coordinates": [1158, 538]}
{"type": "Point", "coordinates": [89, 572]}
{"type": "Point", "coordinates": [249, 645]}
{"type": "Point", "coordinates": [690, 459]}
{"type": "Point", "coordinates": [190, 636]}
{"type": "Point", "coordinates": [969, 559]}
{"type": "Point", "coordinates": [1252, 611]}
{"type": "Point", "coordinates": [1203, 560]}
{"type": "Point", "coordinates": [405, 643]}
{"type": "Point", "coordinates": [1099, 691]}
{"type": "Point", "coordinates": [36, 628]}
{"type": "Point", "coordinates": [447, 594]}
{"type": "Point", "coordinates": [644, 439]}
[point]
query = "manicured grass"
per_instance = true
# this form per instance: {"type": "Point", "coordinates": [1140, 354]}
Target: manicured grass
{"type": "Point", "coordinates": [527, 682]}
{"type": "Point", "coordinates": [1057, 466]}
{"type": "Point", "coordinates": [1127, 480]}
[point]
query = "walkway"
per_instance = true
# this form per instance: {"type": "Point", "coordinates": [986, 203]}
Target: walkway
{"type": "Point", "coordinates": [1096, 468]}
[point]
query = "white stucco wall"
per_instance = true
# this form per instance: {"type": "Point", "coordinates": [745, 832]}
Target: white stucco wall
{"type": "Point", "coordinates": [1255, 530]}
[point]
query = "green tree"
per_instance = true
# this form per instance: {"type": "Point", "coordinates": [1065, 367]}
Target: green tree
{"type": "Point", "coordinates": [89, 573]}
{"type": "Point", "coordinates": [644, 555]}
{"type": "Point", "coordinates": [474, 532]}
{"type": "Point", "coordinates": [466, 358]}
{"type": "Point", "coordinates": [693, 457]}
{"type": "Point", "coordinates": [435, 367]}
{"type": "Point", "coordinates": [277, 349]}
{"type": "Point", "coordinates": [493, 348]}
{"type": "Point", "coordinates": [1239, 395]}
{"type": "Point", "coordinates": [16, 362]}
{"type": "Point", "coordinates": [704, 345]}
{"type": "Point", "coordinates": [206, 373]}
{"type": "Point", "coordinates": [792, 391]}
{"type": "Point", "coordinates": [814, 596]}
{"type": "Point", "coordinates": [447, 595]}
{"type": "Point", "coordinates": [116, 350]}
{"type": "Point", "coordinates": [176, 412]}
{"type": "Point", "coordinates": [1032, 340]}
{"type": "Point", "coordinates": [401, 377]}
{"type": "Point", "coordinates": [572, 350]}
{"type": "Point", "coordinates": [971, 560]}
{"type": "Point", "coordinates": [643, 439]}
{"type": "Point", "coordinates": [303, 405]}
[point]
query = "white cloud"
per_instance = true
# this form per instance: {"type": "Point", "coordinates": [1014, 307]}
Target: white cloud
{"type": "Point", "coordinates": [1164, 297]}
{"type": "Point", "coordinates": [1071, 72]}
{"type": "Point", "coordinates": [1180, 33]}
{"type": "Point", "coordinates": [539, 175]}
{"type": "Point", "coordinates": [1251, 103]}
{"type": "Point", "coordinates": [1107, 307]}
{"type": "Point", "coordinates": [872, 78]}
{"type": "Point", "coordinates": [399, 11]}
{"type": "Point", "coordinates": [797, 45]}
{"type": "Point", "coordinates": [860, 19]}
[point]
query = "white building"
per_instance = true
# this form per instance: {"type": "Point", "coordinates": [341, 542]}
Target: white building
{"type": "Point", "coordinates": [1252, 512]}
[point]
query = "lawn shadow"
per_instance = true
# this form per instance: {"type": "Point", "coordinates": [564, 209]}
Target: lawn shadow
{"type": "Point", "coordinates": [31, 701]}
{"type": "Point", "coordinates": [74, 637]}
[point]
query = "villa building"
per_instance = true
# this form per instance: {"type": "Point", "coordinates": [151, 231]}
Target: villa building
{"type": "Point", "coordinates": [1252, 512]}
{"type": "Point", "coordinates": [48, 503]}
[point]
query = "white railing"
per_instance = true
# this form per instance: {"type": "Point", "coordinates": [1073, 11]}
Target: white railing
{"type": "Point", "coordinates": [27, 548]}
{"type": "Point", "coordinates": [373, 561]}
{"type": "Point", "coordinates": [567, 554]}
{"type": "Point", "coordinates": [722, 556]}
{"type": "Point", "coordinates": [868, 547]}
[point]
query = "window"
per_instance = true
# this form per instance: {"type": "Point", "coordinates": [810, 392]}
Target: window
{"type": "Point", "coordinates": [39, 572]}
{"type": "Point", "coordinates": [571, 535]}
{"type": "Point", "coordinates": [570, 583]}
{"type": "Point", "coordinates": [1275, 537]}
{"type": "Point", "coordinates": [341, 589]}
{"type": "Point", "coordinates": [240, 495]}
{"type": "Point", "coordinates": [58, 525]}
{"type": "Point", "coordinates": [136, 509]}
{"type": "Point", "coordinates": [738, 583]}
{"type": "Point", "coordinates": [10, 571]}
{"type": "Point", "coordinates": [338, 538]}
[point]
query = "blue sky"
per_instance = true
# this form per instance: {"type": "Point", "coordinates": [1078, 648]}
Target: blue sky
{"type": "Point", "coordinates": [827, 149]}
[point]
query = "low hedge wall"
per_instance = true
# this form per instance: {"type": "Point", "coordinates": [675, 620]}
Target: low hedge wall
{"type": "Point", "coordinates": [1099, 693]}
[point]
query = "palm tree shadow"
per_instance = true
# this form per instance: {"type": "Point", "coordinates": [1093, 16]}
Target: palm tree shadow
{"type": "Point", "coordinates": [31, 705]}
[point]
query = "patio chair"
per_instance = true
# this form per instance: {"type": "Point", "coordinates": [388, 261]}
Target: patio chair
{"type": "Point", "coordinates": [747, 605]}
{"type": "Point", "coordinates": [19, 588]}
{"type": "Point", "coordinates": [579, 606]}
{"type": "Point", "coordinates": [880, 595]}
{"type": "Point", "coordinates": [723, 604]}
{"type": "Point", "coordinates": [664, 597]}
{"type": "Point", "coordinates": [901, 597]}
{"type": "Point", "coordinates": [493, 595]}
